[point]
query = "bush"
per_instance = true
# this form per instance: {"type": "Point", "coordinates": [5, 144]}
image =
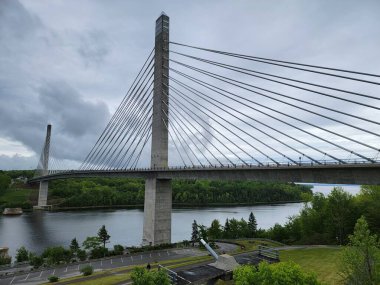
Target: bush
{"type": "Point", "coordinates": [81, 254]}
{"type": "Point", "coordinates": [35, 260]}
{"type": "Point", "coordinates": [57, 254]}
{"type": "Point", "coordinates": [5, 260]}
{"type": "Point", "coordinates": [99, 252]}
{"type": "Point", "coordinates": [53, 278]}
{"type": "Point", "coordinates": [118, 249]}
{"type": "Point", "coordinates": [22, 254]}
{"type": "Point", "coordinates": [87, 270]}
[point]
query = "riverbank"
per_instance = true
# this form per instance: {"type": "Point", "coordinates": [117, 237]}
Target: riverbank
{"type": "Point", "coordinates": [174, 205]}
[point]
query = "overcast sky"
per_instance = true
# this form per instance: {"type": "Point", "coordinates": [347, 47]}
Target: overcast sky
{"type": "Point", "coordinates": [70, 62]}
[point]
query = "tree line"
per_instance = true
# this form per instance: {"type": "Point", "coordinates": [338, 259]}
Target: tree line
{"type": "Point", "coordinates": [122, 191]}
{"type": "Point", "coordinates": [323, 220]}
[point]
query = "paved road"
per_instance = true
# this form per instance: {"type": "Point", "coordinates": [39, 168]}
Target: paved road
{"type": "Point", "coordinates": [38, 277]}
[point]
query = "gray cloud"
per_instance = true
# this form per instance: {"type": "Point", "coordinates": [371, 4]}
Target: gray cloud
{"type": "Point", "coordinates": [68, 63]}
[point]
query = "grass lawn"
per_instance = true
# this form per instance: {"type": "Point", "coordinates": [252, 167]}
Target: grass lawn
{"type": "Point", "coordinates": [323, 261]}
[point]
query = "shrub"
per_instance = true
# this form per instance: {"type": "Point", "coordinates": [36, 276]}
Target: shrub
{"type": "Point", "coordinates": [53, 278]}
{"type": "Point", "coordinates": [22, 254]}
{"type": "Point", "coordinates": [99, 252]}
{"type": "Point", "coordinates": [35, 260]}
{"type": "Point", "coordinates": [81, 254]}
{"type": "Point", "coordinates": [118, 249]}
{"type": "Point", "coordinates": [5, 260]}
{"type": "Point", "coordinates": [87, 270]}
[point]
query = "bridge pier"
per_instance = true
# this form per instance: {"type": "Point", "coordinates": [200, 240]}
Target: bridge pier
{"type": "Point", "coordinates": [157, 211]}
{"type": "Point", "coordinates": [43, 194]}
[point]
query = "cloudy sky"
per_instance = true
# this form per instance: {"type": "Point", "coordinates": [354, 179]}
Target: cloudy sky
{"type": "Point", "coordinates": [70, 62]}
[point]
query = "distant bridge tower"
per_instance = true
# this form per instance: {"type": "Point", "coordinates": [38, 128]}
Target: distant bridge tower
{"type": "Point", "coordinates": [44, 185]}
{"type": "Point", "coordinates": [158, 192]}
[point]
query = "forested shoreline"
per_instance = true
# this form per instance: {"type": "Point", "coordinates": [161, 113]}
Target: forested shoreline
{"type": "Point", "coordinates": [127, 192]}
{"type": "Point", "coordinates": [120, 191]}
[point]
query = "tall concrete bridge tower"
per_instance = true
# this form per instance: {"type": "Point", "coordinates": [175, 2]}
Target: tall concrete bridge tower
{"type": "Point", "coordinates": [158, 192]}
{"type": "Point", "coordinates": [44, 185]}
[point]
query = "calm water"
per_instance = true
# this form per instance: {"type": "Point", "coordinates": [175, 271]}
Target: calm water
{"type": "Point", "coordinates": [39, 230]}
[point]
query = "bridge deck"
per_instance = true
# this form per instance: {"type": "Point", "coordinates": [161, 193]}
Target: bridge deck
{"type": "Point", "coordinates": [331, 173]}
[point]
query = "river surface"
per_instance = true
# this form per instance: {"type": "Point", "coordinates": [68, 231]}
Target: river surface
{"type": "Point", "coordinates": [38, 230]}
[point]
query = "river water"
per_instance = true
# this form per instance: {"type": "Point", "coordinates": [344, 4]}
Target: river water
{"type": "Point", "coordinates": [38, 230]}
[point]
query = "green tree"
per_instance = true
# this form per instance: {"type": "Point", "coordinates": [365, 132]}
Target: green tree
{"type": "Point", "coordinates": [361, 258]}
{"type": "Point", "coordinates": [252, 225]}
{"type": "Point", "coordinates": [91, 243]}
{"type": "Point", "coordinates": [215, 230]}
{"type": "Point", "coordinates": [22, 254]}
{"type": "Point", "coordinates": [5, 181]}
{"type": "Point", "coordinates": [103, 235]}
{"type": "Point", "coordinates": [194, 232]}
{"type": "Point", "coordinates": [74, 246]}
{"type": "Point", "coordinates": [57, 254]}
{"type": "Point", "coordinates": [35, 260]}
{"type": "Point", "coordinates": [284, 273]}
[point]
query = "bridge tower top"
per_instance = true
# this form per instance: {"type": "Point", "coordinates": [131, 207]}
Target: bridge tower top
{"type": "Point", "coordinates": [45, 154]}
{"type": "Point", "coordinates": [159, 155]}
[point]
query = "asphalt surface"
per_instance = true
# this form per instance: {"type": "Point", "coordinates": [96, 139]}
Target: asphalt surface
{"type": "Point", "coordinates": [40, 276]}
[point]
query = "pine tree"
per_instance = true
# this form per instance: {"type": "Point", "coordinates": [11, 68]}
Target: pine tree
{"type": "Point", "coordinates": [195, 232]}
{"type": "Point", "coordinates": [103, 235]}
{"type": "Point", "coordinates": [252, 225]}
{"type": "Point", "coordinates": [74, 246]}
{"type": "Point", "coordinates": [227, 229]}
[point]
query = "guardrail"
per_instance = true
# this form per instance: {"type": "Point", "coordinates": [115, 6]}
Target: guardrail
{"type": "Point", "coordinates": [269, 252]}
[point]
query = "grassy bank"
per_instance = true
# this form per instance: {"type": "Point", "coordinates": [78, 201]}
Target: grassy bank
{"type": "Point", "coordinates": [17, 196]}
{"type": "Point", "coordinates": [323, 261]}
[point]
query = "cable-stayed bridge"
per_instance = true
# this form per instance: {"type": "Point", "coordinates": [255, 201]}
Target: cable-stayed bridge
{"type": "Point", "coordinates": [201, 113]}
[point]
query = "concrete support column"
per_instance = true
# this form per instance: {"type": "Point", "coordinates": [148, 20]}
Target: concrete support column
{"type": "Point", "coordinates": [44, 185]}
{"type": "Point", "coordinates": [157, 211]}
{"type": "Point", "coordinates": [158, 193]}
{"type": "Point", "coordinates": [43, 193]}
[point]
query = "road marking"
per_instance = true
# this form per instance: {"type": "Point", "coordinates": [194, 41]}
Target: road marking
{"type": "Point", "coordinates": [78, 266]}
{"type": "Point", "coordinates": [53, 272]}
{"type": "Point", "coordinates": [150, 255]}
{"type": "Point", "coordinates": [111, 260]}
{"type": "Point", "coordinates": [122, 260]}
{"type": "Point", "coordinates": [12, 279]}
{"type": "Point", "coordinates": [40, 274]}
{"type": "Point", "coordinates": [90, 264]}
{"type": "Point", "coordinates": [27, 276]}
{"type": "Point", "coordinates": [159, 254]}
{"type": "Point", "coordinates": [131, 258]}
{"type": "Point", "coordinates": [101, 263]}
{"type": "Point", "coordinates": [141, 256]}
{"type": "Point", "coordinates": [66, 269]}
{"type": "Point", "coordinates": [167, 252]}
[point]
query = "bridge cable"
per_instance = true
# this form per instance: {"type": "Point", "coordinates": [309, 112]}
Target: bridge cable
{"type": "Point", "coordinates": [246, 71]}
{"type": "Point", "coordinates": [266, 125]}
{"type": "Point", "coordinates": [234, 144]}
{"type": "Point", "coordinates": [252, 58]}
{"type": "Point", "coordinates": [129, 126]}
{"type": "Point", "coordinates": [188, 99]}
{"type": "Point", "coordinates": [122, 109]}
{"type": "Point", "coordinates": [173, 141]}
{"type": "Point", "coordinates": [126, 118]}
{"type": "Point", "coordinates": [178, 135]}
{"type": "Point", "coordinates": [224, 65]}
{"type": "Point", "coordinates": [125, 99]}
{"type": "Point", "coordinates": [143, 131]}
{"type": "Point", "coordinates": [225, 79]}
{"type": "Point", "coordinates": [131, 108]}
{"type": "Point", "coordinates": [173, 119]}
{"type": "Point", "coordinates": [260, 141]}
{"type": "Point", "coordinates": [287, 115]}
